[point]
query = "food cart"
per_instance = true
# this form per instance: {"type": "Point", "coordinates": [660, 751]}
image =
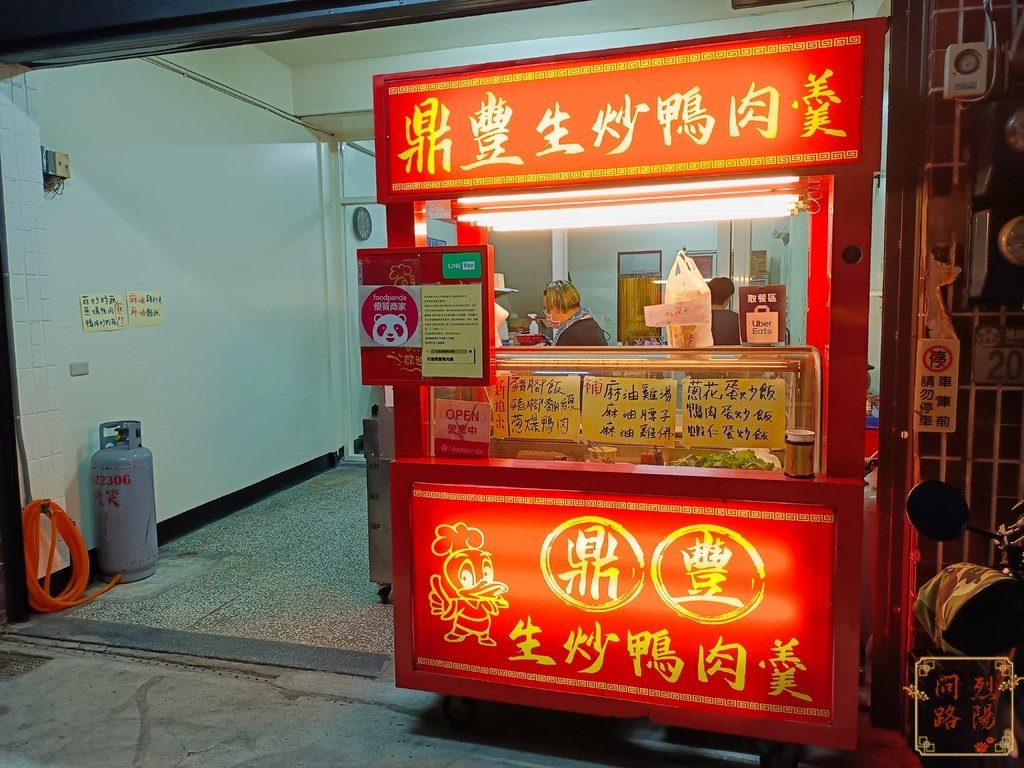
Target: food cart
{"type": "Point", "coordinates": [553, 543]}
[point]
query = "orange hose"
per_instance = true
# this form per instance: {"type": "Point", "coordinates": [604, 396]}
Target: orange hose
{"type": "Point", "coordinates": [39, 596]}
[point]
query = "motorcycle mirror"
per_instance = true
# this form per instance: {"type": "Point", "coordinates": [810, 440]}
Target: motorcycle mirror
{"type": "Point", "coordinates": [937, 510]}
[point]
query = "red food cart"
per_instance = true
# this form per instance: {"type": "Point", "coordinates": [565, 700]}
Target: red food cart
{"type": "Point", "coordinates": [540, 558]}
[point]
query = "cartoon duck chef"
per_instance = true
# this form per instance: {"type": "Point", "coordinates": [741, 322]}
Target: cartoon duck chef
{"type": "Point", "coordinates": [465, 592]}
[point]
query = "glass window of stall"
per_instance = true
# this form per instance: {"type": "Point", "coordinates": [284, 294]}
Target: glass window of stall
{"type": "Point", "coordinates": [708, 408]}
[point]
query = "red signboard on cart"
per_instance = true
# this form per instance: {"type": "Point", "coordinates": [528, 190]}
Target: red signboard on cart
{"type": "Point", "coordinates": [700, 605]}
{"type": "Point", "coordinates": [424, 314]}
{"type": "Point", "coordinates": [784, 100]}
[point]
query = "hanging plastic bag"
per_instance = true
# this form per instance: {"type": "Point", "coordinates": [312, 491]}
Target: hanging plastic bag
{"type": "Point", "coordinates": [687, 309]}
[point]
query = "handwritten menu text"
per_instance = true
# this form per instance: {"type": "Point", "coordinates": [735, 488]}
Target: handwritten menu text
{"type": "Point", "coordinates": [629, 410]}
{"type": "Point", "coordinates": [102, 311]}
{"type": "Point", "coordinates": [734, 413]}
{"type": "Point", "coordinates": [145, 308]}
{"type": "Point", "coordinates": [544, 407]}
{"type": "Point", "coordinates": [498, 396]}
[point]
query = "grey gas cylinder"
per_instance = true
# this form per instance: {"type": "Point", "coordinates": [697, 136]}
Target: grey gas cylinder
{"type": "Point", "coordinates": [124, 502]}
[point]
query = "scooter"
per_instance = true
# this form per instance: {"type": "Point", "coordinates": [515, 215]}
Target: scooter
{"type": "Point", "coordinates": [973, 610]}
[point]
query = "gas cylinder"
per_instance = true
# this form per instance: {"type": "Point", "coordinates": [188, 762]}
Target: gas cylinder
{"type": "Point", "coordinates": [124, 502]}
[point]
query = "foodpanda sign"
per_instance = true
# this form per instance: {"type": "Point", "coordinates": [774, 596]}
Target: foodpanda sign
{"type": "Point", "coordinates": [389, 316]}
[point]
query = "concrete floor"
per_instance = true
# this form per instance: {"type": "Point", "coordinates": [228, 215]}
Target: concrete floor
{"type": "Point", "coordinates": [261, 643]}
{"type": "Point", "coordinates": [90, 706]}
{"type": "Point", "coordinates": [290, 568]}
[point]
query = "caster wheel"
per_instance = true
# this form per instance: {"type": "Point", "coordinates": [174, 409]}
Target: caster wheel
{"type": "Point", "coordinates": [384, 593]}
{"type": "Point", "coordinates": [459, 710]}
{"type": "Point", "coordinates": [776, 755]}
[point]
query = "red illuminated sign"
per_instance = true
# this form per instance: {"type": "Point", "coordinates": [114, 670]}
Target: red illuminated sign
{"type": "Point", "coordinates": [697, 604]}
{"type": "Point", "coordinates": [791, 99]}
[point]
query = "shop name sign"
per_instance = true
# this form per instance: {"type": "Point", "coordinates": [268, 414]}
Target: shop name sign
{"type": "Point", "coordinates": [791, 99]}
{"type": "Point", "coordinates": [707, 605]}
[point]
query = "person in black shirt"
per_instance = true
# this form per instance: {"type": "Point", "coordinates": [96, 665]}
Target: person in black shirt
{"type": "Point", "coordinates": [725, 324]}
{"type": "Point", "coordinates": [573, 325]}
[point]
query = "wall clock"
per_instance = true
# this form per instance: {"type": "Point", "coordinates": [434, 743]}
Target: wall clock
{"type": "Point", "coordinates": [362, 223]}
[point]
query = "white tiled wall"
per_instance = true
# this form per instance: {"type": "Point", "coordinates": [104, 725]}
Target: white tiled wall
{"type": "Point", "coordinates": [30, 284]}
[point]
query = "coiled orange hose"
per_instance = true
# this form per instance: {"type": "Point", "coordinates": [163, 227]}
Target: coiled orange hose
{"type": "Point", "coordinates": [39, 596]}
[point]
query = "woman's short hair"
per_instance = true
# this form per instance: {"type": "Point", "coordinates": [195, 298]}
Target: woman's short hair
{"type": "Point", "coordinates": [561, 295]}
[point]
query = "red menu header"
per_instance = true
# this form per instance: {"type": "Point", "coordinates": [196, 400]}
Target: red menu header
{"type": "Point", "coordinates": [715, 606]}
{"type": "Point", "coordinates": [791, 99]}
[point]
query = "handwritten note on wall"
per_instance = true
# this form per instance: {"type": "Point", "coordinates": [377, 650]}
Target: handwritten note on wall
{"type": "Point", "coordinates": [635, 411]}
{"type": "Point", "coordinates": [544, 407]}
{"type": "Point", "coordinates": [102, 311]}
{"type": "Point", "coordinates": [145, 308]}
{"type": "Point", "coordinates": [734, 413]}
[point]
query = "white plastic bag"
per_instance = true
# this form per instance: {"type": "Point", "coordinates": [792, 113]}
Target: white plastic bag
{"type": "Point", "coordinates": [686, 286]}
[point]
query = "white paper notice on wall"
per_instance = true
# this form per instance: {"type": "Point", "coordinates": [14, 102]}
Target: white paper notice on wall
{"type": "Point", "coordinates": [145, 308]}
{"type": "Point", "coordinates": [102, 311]}
{"type": "Point", "coordinates": [937, 374]}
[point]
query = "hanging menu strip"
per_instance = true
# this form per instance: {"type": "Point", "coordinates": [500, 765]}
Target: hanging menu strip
{"type": "Point", "coordinates": [634, 411]}
{"type": "Point", "coordinates": [498, 397]}
{"type": "Point", "coordinates": [544, 407]}
{"type": "Point", "coordinates": [734, 413]}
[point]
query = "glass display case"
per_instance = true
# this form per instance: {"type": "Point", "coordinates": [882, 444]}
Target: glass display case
{"type": "Point", "coordinates": [716, 407]}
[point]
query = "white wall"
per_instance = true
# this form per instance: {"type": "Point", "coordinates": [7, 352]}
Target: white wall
{"type": "Point", "coordinates": [787, 263]}
{"type": "Point", "coordinates": [224, 208]}
{"type": "Point", "coordinates": [346, 86]}
{"type": "Point", "coordinates": [358, 184]}
{"type": "Point", "coordinates": [244, 68]}
{"type": "Point", "coordinates": [593, 259]}
{"type": "Point", "coordinates": [28, 264]}
{"type": "Point", "coordinates": [216, 204]}
{"type": "Point", "coordinates": [525, 260]}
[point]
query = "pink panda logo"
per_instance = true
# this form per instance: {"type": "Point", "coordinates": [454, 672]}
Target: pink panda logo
{"type": "Point", "coordinates": [390, 317]}
{"type": "Point", "coordinates": [390, 330]}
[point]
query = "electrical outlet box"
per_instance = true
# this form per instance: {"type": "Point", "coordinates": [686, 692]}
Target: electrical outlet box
{"type": "Point", "coordinates": [56, 163]}
{"type": "Point", "coordinates": [966, 70]}
{"type": "Point", "coordinates": [62, 165]}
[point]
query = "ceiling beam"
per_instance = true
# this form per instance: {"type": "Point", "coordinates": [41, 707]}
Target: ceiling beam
{"type": "Point", "coordinates": [49, 33]}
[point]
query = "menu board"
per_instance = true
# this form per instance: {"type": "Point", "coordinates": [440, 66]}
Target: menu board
{"type": "Point", "coordinates": [636, 411]}
{"type": "Point", "coordinates": [544, 407]}
{"type": "Point", "coordinates": [716, 413]}
{"type": "Point", "coordinates": [734, 413]}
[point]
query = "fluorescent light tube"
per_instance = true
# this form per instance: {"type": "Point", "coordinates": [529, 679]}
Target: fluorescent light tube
{"type": "Point", "coordinates": [620, 192]}
{"type": "Point", "coordinates": [632, 214]}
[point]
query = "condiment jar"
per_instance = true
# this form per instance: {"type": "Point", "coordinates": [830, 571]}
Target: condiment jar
{"type": "Point", "coordinates": [799, 453]}
{"type": "Point", "coordinates": [652, 455]}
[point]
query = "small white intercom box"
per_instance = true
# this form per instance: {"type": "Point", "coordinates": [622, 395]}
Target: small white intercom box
{"type": "Point", "coordinates": [966, 70]}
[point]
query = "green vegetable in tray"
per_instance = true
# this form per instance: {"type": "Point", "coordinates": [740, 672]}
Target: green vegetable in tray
{"type": "Point", "coordinates": [725, 460]}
